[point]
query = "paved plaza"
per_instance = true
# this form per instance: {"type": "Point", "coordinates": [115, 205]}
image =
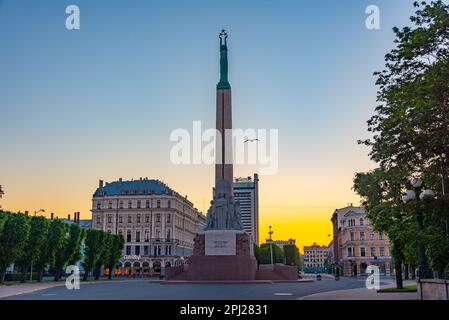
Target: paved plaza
{"type": "Point", "coordinates": [346, 288]}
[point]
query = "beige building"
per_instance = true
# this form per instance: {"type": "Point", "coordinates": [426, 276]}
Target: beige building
{"type": "Point", "coordinates": [157, 223]}
{"type": "Point", "coordinates": [314, 258]}
{"type": "Point", "coordinates": [356, 245]}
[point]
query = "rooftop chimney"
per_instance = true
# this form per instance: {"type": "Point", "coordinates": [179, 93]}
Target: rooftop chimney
{"type": "Point", "coordinates": [68, 217]}
{"type": "Point", "coordinates": [100, 184]}
{"type": "Point", "coordinates": [51, 215]}
{"type": "Point", "coordinates": [26, 212]}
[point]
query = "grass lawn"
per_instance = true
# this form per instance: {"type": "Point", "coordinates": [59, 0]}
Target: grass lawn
{"type": "Point", "coordinates": [411, 288]}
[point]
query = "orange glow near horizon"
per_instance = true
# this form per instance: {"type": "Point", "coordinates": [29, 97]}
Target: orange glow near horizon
{"type": "Point", "coordinates": [294, 210]}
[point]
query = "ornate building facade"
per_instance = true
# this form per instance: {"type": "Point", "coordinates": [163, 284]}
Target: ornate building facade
{"type": "Point", "coordinates": [356, 245]}
{"type": "Point", "coordinates": [157, 223]}
{"type": "Point", "coordinates": [315, 258]}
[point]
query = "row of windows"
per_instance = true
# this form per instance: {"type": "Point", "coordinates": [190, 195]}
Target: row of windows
{"type": "Point", "coordinates": [363, 253]}
{"type": "Point", "coordinates": [146, 238]}
{"type": "Point", "coordinates": [362, 236]}
{"type": "Point", "coordinates": [148, 204]}
{"type": "Point", "coordinates": [157, 250]}
{"type": "Point", "coordinates": [351, 222]}
{"type": "Point", "coordinates": [139, 218]}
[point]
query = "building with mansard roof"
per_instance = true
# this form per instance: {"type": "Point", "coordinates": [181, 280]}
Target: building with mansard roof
{"type": "Point", "coordinates": [157, 223]}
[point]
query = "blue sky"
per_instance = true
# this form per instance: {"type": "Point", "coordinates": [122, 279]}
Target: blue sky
{"type": "Point", "coordinates": [100, 102]}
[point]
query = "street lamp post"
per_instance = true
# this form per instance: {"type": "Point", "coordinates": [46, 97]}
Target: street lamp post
{"type": "Point", "coordinates": [271, 245]}
{"type": "Point", "coordinates": [418, 195]}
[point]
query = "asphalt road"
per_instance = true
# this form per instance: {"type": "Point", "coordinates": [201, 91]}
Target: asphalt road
{"type": "Point", "coordinates": [145, 290]}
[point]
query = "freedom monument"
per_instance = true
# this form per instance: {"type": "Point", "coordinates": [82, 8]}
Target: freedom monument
{"type": "Point", "coordinates": [222, 251]}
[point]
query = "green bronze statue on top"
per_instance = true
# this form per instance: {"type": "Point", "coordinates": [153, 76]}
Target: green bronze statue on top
{"type": "Point", "coordinates": [224, 83]}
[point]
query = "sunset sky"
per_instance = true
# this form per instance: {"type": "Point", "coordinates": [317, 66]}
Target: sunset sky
{"type": "Point", "coordinates": [101, 102]}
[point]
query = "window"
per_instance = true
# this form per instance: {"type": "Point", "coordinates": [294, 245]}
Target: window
{"type": "Point", "coordinates": [128, 236]}
{"type": "Point", "coordinates": [168, 218]}
{"type": "Point", "coordinates": [138, 204]}
{"type": "Point", "coordinates": [130, 204]}
{"type": "Point", "coordinates": [98, 219]}
{"type": "Point", "coordinates": [128, 250]}
{"type": "Point", "coordinates": [137, 236]}
{"type": "Point", "coordinates": [110, 205]}
{"type": "Point", "coordinates": [109, 219]}
{"type": "Point", "coordinates": [147, 203]}
{"type": "Point", "coordinates": [158, 217]}
{"type": "Point", "coordinates": [168, 235]}
{"type": "Point", "coordinates": [361, 221]}
{"type": "Point", "coordinates": [138, 218]}
{"type": "Point", "coordinates": [158, 234]}
{"type": "Point", "coordinates": [350, 252]}
{"type": "Point", "coordinates": [147, 218]}
{"type": "Point", "coordinates": [130, 219]}
{"type": "Point", "coordinates": [158, 204]}
{"type": "Point", "coordinates": [145, 250]}
{"type": "Point", "coordinates": [371, 236]}
{"type": "Point", "coordinates": [373, 251]}
{"type": "Point", "coordinates": [137, 250]}
{"type": "Point", "coordinates": [362, 235]}
{"type": "Point", "coordinates": [98, 205]}
{"type": "Point", "coordinates": [169, 203]}
{"type": "Point", "coordinates": [147, 236]}
{"type": "Point", "coordinates": [381, 235]}
{"type": "Point", "coordinates": [352, 236]}
{"type": "Point", "coordinates": [362, 252]}
{"type": "Point", "coordinates": [382, 251]}
{"type": "Point", "coordinates": [120, 219]}
{"type": "Point", "coordinates": [121, 204]}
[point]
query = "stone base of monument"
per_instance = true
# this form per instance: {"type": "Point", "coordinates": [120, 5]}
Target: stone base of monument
{"type": "Point", "coordinates": [219, 255]}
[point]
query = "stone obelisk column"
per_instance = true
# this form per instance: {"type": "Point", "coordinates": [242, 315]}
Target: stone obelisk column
{"type": "Point", "coordinates": [223, 166]}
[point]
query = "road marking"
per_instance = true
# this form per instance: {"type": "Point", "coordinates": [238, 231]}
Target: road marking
{"type": "Point", "coordinates": [283, 294]}
{"type": "Point", "coordinates": [49, 294]}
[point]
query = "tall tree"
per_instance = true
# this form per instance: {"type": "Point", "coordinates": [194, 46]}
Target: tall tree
{"type": "Point", "coordinates": [70, 249]}
{"type": "Point", "coordinates": [56, 241]}
{"type": "Point", "coordinates": [33, 248]}
{"type": "Point", "coordinates": [104, 249]}
{"type": "Point", "coordinates": [91, 251]}
{"type": "Point", "coordinates": [114, 253]}
{"type": "Point", "coordinates": [12, 240]}
{"type": "Point", "coordinates": [410, 135]}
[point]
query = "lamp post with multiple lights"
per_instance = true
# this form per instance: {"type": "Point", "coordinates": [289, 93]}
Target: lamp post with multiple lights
{"type": "Point", "coordinates": [419, 195]}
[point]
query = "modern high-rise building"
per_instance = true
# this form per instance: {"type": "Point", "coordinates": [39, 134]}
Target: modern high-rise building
{"type": "Point", "coordinates": [246, 192]}
{"type": "Point", "coordinates": [157, 223]}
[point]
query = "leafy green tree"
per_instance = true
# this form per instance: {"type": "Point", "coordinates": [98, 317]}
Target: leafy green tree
{"type": "Point", "coordinates": [410, 136]}
{"type": "Point", "coordinates": [35, 243]}
{"type": "Point", "coordinates": [59, 238]}
{"type": "Point", "coordinates": [115, 252]}
{"type": "Point", "coordinates": [12, 240]}
{"type": "Point", "coordinates": [291, 253]}
{"type": "Point", "coordinates": [70, 252]}
{"type": "Point", "coordinates": [104, 249]}
{"type": "Point", "coordinates": [92, 251]}
{"type": "Point", "coordinates": [265, 254]}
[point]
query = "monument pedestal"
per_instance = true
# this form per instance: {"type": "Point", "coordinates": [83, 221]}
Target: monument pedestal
{"type": "Point", "coordinates": [221, 255]}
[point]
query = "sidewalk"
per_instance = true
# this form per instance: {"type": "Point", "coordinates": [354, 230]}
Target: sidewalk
{"type": "Point", "coordinates": [16, 289]}
{"type": "Point", "coordinates": [365, 294]}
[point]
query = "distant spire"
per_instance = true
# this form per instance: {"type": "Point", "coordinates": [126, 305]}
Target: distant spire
{"type": "Point", "coordinates": [224, 83]}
